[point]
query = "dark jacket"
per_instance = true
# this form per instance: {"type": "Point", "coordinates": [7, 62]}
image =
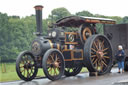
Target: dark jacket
{"type": "Point", "coordinates": [122, 57]}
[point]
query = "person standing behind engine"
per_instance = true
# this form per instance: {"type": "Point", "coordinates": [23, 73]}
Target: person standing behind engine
{"type": "Point", "coordinates": [120, 56]}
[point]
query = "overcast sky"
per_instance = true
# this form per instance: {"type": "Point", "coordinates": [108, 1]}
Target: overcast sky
{"type": "Point", "coordinates": [105, 7]}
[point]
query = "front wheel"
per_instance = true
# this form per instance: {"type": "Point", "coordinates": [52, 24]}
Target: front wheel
{"type": "Point", "coordinates": [53, 64]}
{"type": "Point", "coordinates": [26, 66]}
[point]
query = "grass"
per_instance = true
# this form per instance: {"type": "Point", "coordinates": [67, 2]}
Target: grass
{"type": "Point", "coordinates": [11, 75]}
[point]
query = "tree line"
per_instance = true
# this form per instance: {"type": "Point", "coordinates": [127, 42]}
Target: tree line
{"type": "Point", "coordinates": [16, 34]}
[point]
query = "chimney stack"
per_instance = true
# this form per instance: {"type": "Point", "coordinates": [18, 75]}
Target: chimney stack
{"type": "Point", "coordinates": [38, 10]}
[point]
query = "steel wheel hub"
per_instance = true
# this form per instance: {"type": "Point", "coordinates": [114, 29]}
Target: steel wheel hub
{"type": "Point", "coordinates": [56, 64]}
{"type": "Point", "coordinates": [100, 54]}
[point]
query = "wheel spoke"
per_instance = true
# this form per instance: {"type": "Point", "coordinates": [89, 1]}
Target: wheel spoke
{"type": "Point", "coordinates": [105, 49]}
{"type": "Point", "coordinates": [95, 61]}
{"type": "Point", "coordinates": [96, 65]}
{"type": "Point", "coordinates": [104, 63]}
{"type": "Point", "coordinates": [55, 73]}
{"type": "Point", "coordinates": [52, 58]}
{"type": "Point", "coordinates": [48, 66]}
{"type": "Point", "coordinates": [93, 55]}
{"type": "Point", "coordinates": [58, 69]}
{"type": "Point", "coordinates": [27, 74]}
{"type": "Point", "coordinates": [31, 70]}
{"type": "Point", "coordinates": [59, 66]}
{"type": "Point", "coordinates": [49, 70]}
{"type": "Point", "coordinates": [24, 71]}
{"type": "Point", "coordinates": [106, 56]}
{"type": "Point", "coordinates": [56, 57]}
{"type": "Point", "coordinates": [105, 53]}
{"type": "Point", "coordinates": [104, 60]}
{"type": "Point", "coordinates": [102, 44]}
{"type": "Point", "coordinates": [58, 61]}
{"type": "Point", "coordinates": [95, 45]}
{"type": "Point", "coordinates": [49, 61]}
{"type": "Point", "coordinates": [99, 44]}
{"type": "Point", "coordinates": [93, 49]}
{"type": "Point", "coordinates": [101, 67]}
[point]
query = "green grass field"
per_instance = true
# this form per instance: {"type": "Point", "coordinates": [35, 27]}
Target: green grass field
{"type": "Point", "coordinates": [11, 75]}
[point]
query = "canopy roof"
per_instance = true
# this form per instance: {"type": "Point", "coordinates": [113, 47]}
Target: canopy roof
{"type": "Point", "coordinates": [76, 21]}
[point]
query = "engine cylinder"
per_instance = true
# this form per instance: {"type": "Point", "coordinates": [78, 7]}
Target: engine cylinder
{"type": "Point", "coordinates": [40, 46]}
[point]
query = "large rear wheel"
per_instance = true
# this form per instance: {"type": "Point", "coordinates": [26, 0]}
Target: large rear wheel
{"type": "Point", "coordinates": [98, 54]}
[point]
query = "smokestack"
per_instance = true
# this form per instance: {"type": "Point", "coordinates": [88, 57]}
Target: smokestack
{"type": "Point", "coordinates": [38, 10]}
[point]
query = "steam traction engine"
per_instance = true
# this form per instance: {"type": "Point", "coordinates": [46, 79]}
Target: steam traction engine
{"type": "Point", "coordinates": [65, 53]}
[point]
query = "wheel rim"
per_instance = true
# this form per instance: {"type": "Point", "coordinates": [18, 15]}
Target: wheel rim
{"type": "Point", "coordinates": [54, 64]}
{"type": "Point", "coordinates": [100, 54]}
{"type": "Point", "coordinates": [27, 66]}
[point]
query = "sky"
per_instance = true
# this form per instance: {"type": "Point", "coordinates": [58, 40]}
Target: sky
{"type": "Point", "coordinates": [24, 8]}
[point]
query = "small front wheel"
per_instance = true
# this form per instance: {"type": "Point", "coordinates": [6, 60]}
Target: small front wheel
{"type": "Point", "coordinates": [26, 66]}
{"type": "Point", "coordinates": [53, 64]}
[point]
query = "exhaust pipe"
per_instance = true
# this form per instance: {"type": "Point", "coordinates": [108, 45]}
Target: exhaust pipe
{"type": "Point", "coordinates": [38, 10]}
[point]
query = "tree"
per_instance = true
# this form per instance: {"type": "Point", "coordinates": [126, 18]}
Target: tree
{"type": "Point", "coordinates": [117, 19]}
{"type": "Point", "coordinates": [59, 13]}
{"type": "Point", "coordinates": [3, 35]}
{"type": "Point", "coordinates": [125, 19]}
{"type": "Point", "coordinates": [84, 13]}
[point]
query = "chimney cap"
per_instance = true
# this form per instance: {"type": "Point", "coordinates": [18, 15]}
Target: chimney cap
{"type": "Point", "coordinates": [38, 7]}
